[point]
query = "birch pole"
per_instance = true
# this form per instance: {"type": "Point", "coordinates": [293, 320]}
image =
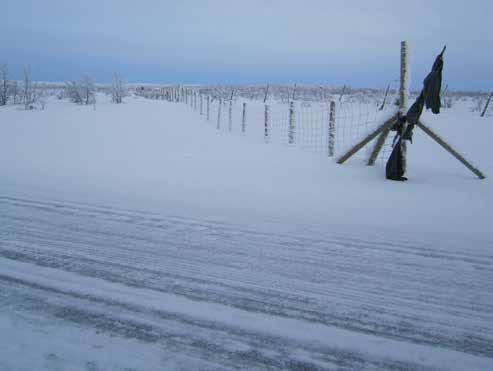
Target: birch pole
{"type": "Point", "coordinates": [404, 97]}
{"type": "Point", "coordinates": [403, 103]}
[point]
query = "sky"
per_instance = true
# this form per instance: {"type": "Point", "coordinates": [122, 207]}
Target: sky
{"type": "Point", "coordinates": [351, 42]}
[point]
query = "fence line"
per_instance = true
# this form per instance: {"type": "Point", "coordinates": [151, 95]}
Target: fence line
{"type": "Point", "coordinates": [327, 127]}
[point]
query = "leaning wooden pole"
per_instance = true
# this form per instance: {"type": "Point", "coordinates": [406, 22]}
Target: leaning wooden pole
{"type": "Point", "coordinates": [385, 98]}
{"type": "Point", "coordinates": [386, 125]}
{"type": "Point", "coordinates": [378, 146]}
{"type": "Point", "coordinates": [450, 150]}
{"type": "Point", "coordinates": [487, 104]}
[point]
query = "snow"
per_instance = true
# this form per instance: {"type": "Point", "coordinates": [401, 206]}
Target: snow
{"type": "Point", "coordinates": [330, 337]}
{"type": "Point", "coordinates": [215, 250]}
{"type": "Point", "coordinates": [165, 156]}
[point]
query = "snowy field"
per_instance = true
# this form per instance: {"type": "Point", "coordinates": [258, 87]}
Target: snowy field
{"type": "Point", "coordinates": [139, 237]}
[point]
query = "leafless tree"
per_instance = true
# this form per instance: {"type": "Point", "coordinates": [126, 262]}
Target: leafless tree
{"type": "Point", "coordinates": [41, 95]}
{"type": "Point", "coordinates": [82, 92]}
{"type": "Point", "coordinates": [28, 97]}
{"type": "Point", "coordinates": [14, 92]}
{"type": "Point", "coordinates": [4, 84]}
{"type": "Point", "coordinates": [88, 90]}
{"type": "Point", "coordinates": [118, 89]}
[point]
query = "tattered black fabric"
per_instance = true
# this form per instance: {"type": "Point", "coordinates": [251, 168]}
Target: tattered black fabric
{"type": "Point", "coordinates": [412, 117]}
{"type": "Point", "coordinates": [432, 85]}
{"type": "Point", "coordinates": [394, 170]}
{"type": "Point", "coordinates": [429, 96]}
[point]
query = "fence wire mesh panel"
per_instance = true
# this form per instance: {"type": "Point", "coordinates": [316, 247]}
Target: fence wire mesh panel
{"type": "Point", "coordinates": [305, 124]}
{"type": "Point", "coordinates": [355, 121]}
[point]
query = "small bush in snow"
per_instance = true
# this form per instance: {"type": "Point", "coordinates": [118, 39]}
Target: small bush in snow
{"type": "Point", "coordinates": [82, 92]}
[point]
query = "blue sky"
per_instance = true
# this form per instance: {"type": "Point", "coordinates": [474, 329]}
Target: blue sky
{"type": "Point", "coordinates": [352, 42]}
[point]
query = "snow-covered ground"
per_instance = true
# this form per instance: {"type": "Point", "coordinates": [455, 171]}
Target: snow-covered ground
{"type": "Point", "coordinates": [137, 236]}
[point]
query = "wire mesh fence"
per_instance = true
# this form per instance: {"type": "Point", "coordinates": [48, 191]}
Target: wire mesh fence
{"type": "Point", "coordinates": [302, 124]}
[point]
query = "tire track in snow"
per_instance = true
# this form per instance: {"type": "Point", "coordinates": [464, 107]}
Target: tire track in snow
{"type": "Point", "coordinates": [213, 333]}
{"type": "Point", "coordinates": [421, 294]}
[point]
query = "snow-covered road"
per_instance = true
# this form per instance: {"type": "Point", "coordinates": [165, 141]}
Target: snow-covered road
{"type": "Point", "coordinates": [195, 294]}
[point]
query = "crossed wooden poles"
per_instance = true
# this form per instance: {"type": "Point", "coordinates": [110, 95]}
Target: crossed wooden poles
{"type": "Point", "coordinates": [383, 130]}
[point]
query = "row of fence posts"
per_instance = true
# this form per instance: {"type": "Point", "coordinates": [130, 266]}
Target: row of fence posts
{"type": "Point", "coordinates": [190, 97]}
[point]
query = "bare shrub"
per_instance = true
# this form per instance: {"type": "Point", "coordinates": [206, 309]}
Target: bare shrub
{"type": "Point", "coordinates": [4, 85]}
{"type": "Point", "coordinates": [82, 92]}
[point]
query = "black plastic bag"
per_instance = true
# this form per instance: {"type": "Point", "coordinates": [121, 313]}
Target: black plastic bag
{"type": "Point", "coordinates": [394, 170]}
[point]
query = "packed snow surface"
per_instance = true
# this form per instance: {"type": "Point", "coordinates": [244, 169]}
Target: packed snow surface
{"type": "Point", "coordinates": [138, 237]}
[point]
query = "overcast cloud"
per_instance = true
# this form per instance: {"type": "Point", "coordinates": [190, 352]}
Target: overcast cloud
{"type": "Point", "coordinates": [217, 41]}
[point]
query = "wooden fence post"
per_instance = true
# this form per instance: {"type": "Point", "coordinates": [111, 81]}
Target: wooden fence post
{"type": "Point", "coordinates": [332, 129]}
{"type": "Point", "coordinates": [219, 107]}
{"type": "Point", "coordinates": [404, 80]}
{"type": "Point", "coordinates": [292, 124]}
{"type": "Point", "coordinates": [243, 119]}
{"type": "Point", "coordinates": [266, 123]}
{"type": "Point", "coordinates": [208, 101]}
{"type": "Point", "coordinates": [403, 97]}
{"type": "Point", "coordinates": [403, 103]}
{"type": "Point", "coordinates": [230, 116]}
{"type": "Point", "coordinates": [201, 104]}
